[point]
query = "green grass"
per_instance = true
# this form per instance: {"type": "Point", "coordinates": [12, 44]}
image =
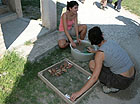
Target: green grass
{"type": "Point", "coordinates": [132, 5]}
{"type": "Point", "coordinates": [28, 43]}
{"type": "Point", "coordinates": [13, 66]}
{"type": "Point", "coordinates": [19, 82]}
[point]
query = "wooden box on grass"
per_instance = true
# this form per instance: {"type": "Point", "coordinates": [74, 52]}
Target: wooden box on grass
{"type": "Point", "coordinates": [68, 82]}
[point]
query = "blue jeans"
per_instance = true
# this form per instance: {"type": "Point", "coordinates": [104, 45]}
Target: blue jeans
{"type": "Point", "coordinates": [118, 4]}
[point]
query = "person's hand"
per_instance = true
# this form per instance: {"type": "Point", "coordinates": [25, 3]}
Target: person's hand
{"type": "Point", "coordinates": [91, 50]}
{"type": "Point", "coordinates": [78, 41]}
{"type": "Point", "coordinates": [74, 96]}
{"type": "Point", "coordinates": [73, 44]}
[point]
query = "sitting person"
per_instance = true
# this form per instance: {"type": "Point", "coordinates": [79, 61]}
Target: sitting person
{"type": "Point", "coordinates": [69, 27]}
{"type": "Point", "coordinates": [112, 65]}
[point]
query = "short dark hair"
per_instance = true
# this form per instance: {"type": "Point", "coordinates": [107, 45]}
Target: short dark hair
{"type": "Point", "coordinates": [95, 35]}
{"type": "Point", "coordinates": [71, 4]}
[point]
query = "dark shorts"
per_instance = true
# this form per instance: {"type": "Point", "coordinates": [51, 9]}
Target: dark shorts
{"type": "Point", "coordinates": [115, 80]}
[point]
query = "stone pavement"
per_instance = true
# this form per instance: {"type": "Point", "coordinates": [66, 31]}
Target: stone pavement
{"type": "Point", "coordinates": [18, 32]}
{"type": "Point", "coordinates": [123, 27]}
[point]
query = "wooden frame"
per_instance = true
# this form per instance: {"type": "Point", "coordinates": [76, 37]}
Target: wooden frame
{"type": "Point", "coordinates": [40, 74]}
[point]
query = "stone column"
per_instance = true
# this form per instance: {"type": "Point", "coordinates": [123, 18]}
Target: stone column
{"type": "Point", "coordinates": [48, 14]}
{"type": "Point", "coordinates": [15, 6]}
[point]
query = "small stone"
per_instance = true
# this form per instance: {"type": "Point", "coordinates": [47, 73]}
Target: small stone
{"type": "Point", "coordinates": [4, 73]}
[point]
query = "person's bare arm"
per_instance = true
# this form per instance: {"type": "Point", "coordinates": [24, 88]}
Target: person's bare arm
{"type": "Point", "coordinates": [99, 57]}
{"type": "Point", "coordinates": [91, 50]}
{"type": "Point", "coordinates": [66, 29]}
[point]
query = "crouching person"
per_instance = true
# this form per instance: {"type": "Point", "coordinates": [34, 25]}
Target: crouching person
{"type": "Point", "coordinates": [112, 65]}
{"type": "Point", "coordinates": [69, 27]}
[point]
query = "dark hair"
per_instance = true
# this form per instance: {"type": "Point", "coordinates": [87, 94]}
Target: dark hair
{"type": "Point", "coordinates": [95, 35]}
{"type": "Point", "coordinates": [71, 4]}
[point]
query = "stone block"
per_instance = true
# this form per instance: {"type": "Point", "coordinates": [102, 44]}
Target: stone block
{"type": "Point", "coordinates": [48, 14]}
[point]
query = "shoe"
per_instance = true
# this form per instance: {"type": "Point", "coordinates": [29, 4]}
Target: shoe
{"type": "Point", "coordinates": [115, 6]}
{"type": "Point", "coordinates": [107, 90]}
{"type": "Point", "coordinates": [106, 7]}
{"type": "Point", "coordinates": [118, 10]}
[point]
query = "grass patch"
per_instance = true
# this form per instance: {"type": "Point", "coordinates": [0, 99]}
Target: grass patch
{"type": "Point", "coordinates": [19, 82]}
{"type": "Point", "coordinates": [132, 5]}
{"type": "Point", "coordinates": [28, 43]}
{"type": "Point", "coordinates": [11, 68]}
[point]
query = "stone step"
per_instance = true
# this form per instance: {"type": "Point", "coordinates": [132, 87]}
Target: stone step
{"type": "Point", "coordinates": [4, 9]}
{"type": "Point", "coordinates": [7, 17]}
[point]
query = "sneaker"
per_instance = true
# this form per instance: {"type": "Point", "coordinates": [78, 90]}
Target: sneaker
{"type": "Point", "coordinates": [107, 90]}
{"type": "Point", "coordinates": [106, 7]}
{"type": "Point", "coordinates": [115, 6]}
{"type": "Point", "coordinates": [118, 10]}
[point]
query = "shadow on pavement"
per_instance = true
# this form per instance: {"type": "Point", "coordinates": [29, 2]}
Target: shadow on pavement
{"type": "Point", "coordinates": [98, 4]}
{"type": "Point", "coordinates": [9, 35]}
